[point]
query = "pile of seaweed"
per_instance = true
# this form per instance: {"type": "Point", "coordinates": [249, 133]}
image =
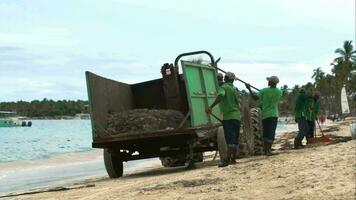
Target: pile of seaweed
{"type": "Point", "coordinates": [142, 120]}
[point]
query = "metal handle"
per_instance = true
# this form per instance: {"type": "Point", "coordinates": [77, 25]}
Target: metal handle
{"type": "Point", "coordinates": [193, 53]}
{"type": "Point", "coordinates": [213, 63]}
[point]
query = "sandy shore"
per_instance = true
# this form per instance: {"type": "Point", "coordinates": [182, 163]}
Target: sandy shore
{"type": "Point", "coordinates": [317, 172]}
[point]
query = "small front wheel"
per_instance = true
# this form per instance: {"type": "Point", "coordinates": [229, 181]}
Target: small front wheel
{"type": "Point", "coordinates": [113, 164]}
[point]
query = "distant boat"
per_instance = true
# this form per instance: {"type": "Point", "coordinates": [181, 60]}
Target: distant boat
{"type": "Point", "coordinates": [345, 109]}
{"type": "Point", "coordinates": [9, 119]}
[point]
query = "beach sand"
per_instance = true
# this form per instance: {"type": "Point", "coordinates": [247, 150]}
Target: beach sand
{"type": "Point", "coordinates": [317, 172]}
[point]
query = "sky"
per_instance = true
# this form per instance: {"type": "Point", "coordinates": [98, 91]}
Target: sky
{"type": "Point", "coordinates": [46, 46]}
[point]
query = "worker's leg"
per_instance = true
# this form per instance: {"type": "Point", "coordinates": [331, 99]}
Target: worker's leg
{"type": "Point", "coordinates": [303, 131]}
{"type": "Point", "coordinates": [229, 132]}
{"type": "Point", "coordinates": [310, 132]}
{"type": "Point", "coordinates": [237, 124]}
{"type": "Point", "coordinates": [269, 132]}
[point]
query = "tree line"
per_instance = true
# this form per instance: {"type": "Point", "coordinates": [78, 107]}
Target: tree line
{"type": "Point", "coordinates": [343, 73]}
{"type": "Point", "coordinates": [46, 107]}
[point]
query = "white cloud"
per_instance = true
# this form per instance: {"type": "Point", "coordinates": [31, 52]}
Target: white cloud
{"type": "Point", "coordinates": [44, 37]}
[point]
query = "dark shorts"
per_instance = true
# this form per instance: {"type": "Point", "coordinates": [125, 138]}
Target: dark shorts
{"type": "Point", "coordinates": [269, 128]}
{"type": "Point", "coordinates": [232, 132]}
{"type": "Point", "coordinates": [311, 127]}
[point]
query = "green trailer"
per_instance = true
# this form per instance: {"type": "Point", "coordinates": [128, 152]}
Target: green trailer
{"type": "Point", "coordinates": [189, 93]}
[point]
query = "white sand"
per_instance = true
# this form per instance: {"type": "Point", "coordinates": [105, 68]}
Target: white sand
{"type": "Point", "coordinates": [321, 172]}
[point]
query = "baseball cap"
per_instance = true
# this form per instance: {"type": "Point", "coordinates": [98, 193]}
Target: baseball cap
{"type": "Point", "coordinates": [230, 75]}
{"type": "Point", "coordinates": [273, 79]}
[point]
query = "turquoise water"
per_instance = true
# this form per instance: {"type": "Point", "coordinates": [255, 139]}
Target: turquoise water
{"type": "Point", "coordinates": [44, 139]}
{"type": "Point", "coordinates": [49, 137]}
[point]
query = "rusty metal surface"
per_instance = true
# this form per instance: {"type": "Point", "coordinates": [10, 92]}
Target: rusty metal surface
{"type": "Point", "coordinates": [149, 95]}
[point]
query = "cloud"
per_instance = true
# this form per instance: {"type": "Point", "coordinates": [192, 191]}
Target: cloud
{"type": "Point", "coordinates": [45, 37]}
{"type": "Point", "coordinates": [27, 74]}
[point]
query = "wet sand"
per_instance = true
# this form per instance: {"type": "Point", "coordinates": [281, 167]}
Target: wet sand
{"type": "Point", "coordinates": [317, 172]}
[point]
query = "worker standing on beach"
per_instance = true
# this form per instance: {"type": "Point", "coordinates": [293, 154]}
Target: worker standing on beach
{"type": "Point", "coordinates": [229, 100]}
{"type": "Point", "coordinates": [300, 118]}
{"type": "Point", "coordinates": [269, 98]}
{"type": "Point", "coordinates": [313, 108]}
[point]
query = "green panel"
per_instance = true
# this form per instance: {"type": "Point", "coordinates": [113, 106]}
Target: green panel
{"type": "Point", "coordinates": [201, 86]}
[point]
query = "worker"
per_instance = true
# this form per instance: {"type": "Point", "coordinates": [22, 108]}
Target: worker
{"type": "Point", "coordinates": [220, 78]}
{"type": "Point", "coordinates": [269, 98]}
{"type": "Point", "coordinates": [313, 108]}
{"type": "Point", "coordinates": [229, 100]}
{"type": "Point", "coordinates": [300, 118]}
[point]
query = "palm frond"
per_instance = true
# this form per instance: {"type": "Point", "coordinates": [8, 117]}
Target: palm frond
{"type": "Point", "coordinates": [338, 60]}
{"type": "Point", "coordinates": [348, 46]}
{"type": "Point", "coordinates": [340, 51]}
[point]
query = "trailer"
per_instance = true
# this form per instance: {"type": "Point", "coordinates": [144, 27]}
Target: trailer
{"type": "Point", "coordinates": [189, 92]}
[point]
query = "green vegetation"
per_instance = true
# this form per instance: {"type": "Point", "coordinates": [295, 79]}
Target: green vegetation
{"type": "Point", "coordinates": [46, 108]}
{"type": "Point", "coordinates": [329, 85]}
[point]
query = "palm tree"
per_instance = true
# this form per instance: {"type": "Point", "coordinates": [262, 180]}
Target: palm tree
{"type": "Point", "coordinates": [345, 63]}
{"type": "Point", "coordinates": [346, 53]}
{"type": "Point", "coordinates": [318, 75]}
{"type": "Point", "coordinates": [343, 67]}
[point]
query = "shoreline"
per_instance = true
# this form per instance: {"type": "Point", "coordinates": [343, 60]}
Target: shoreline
{"type": "Point", "coordinates": [42, 172]}
{"type": "Point", "coordinates": [58, 171]}
{"type": "Point", "coordinates": [152, 172]}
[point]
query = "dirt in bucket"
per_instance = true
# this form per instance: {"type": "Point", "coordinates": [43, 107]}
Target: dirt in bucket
{"type": "Point", "coordinates": [140, 120]}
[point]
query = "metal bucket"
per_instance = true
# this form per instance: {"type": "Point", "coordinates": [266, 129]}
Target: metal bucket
{"type": "Point", "coordinates": [353, 130]}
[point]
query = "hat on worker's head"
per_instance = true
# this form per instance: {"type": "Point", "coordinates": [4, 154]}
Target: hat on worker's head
{"type": "Point", "coordinates": [220, 76]}
{"type": "Point", "coordinates": [230, 76]}
{"type": "Point", "coordinates": [316, 94]}
{"type": "Point", "coordinates": [273, 79]}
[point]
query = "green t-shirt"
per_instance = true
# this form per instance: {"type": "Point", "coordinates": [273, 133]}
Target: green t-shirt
{"type": "Point", "coordinates": [301, 105]}
{"type": "Point", "coordinates": [313, 107]}
{"type": "Point", "coordinates": [269, 97]}
{"type": "Point", "coordinates": [230, 106]}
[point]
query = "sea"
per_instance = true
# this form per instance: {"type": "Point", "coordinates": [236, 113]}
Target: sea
{"type": "Point", "coordinates": [55, 152]}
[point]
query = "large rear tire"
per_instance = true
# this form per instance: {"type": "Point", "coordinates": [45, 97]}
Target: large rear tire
{"type": "Point", "coordinates": [113, 164]}
{"type": "Point", "coordinates": [256, 130]}
{"type": "Point", "coordinates": [222, 146]}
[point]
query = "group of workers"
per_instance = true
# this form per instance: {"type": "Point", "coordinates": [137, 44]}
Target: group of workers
{"type": "Point", "coordinates": [307, 108]}
{"type": "Point", "coordinates": [229, 100]}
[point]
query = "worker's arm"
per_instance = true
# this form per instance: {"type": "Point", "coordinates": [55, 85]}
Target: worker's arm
{"type": "Point", "coordinates": [254, 96]}
{"type": "Point", "coordinates": [217, 101]}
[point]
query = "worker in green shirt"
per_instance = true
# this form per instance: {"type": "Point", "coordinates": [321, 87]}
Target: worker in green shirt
{"type": "Point", "coordinates": [300, 118]}
{"type": "Point", "coordinates": [313, 108]}
{"type": "Point", "coordinates": [229, 100]}
{"type": "Point", "coordinates": [269, 98]}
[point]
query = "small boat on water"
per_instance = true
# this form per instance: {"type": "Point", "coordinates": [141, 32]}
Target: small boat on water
{"type": "Point", "coordinates": [9, 119]}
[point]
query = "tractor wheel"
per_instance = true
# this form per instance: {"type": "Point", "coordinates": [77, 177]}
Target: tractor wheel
{"type": "Point", "coordinates": [256, 130]}
{"type": "Point", "coordinates": [222, 146]}
{"type": "Point", "coordinates": [113, 164]}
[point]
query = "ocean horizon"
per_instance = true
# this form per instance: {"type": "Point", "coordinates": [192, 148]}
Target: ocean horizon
{"type": "Point", "coordinates": [56, 152]}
